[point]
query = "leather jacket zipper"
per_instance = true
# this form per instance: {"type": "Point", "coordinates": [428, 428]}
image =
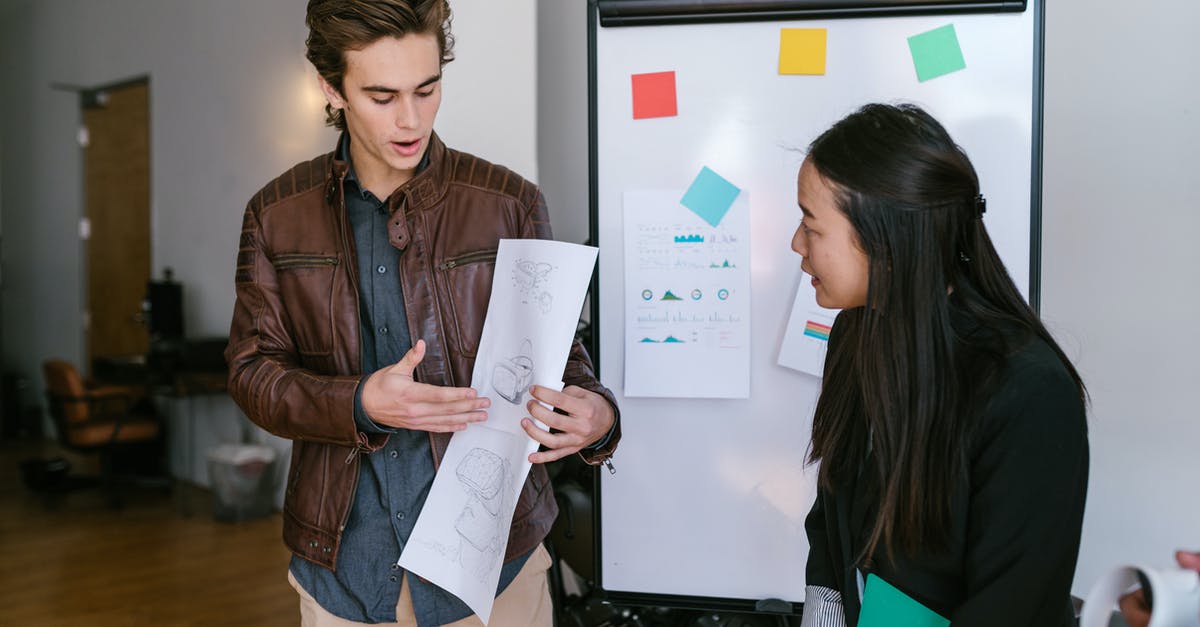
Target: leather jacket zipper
{"type": "Point", "coordinates": [352, 271]}
{"type": "Point", "coordinates": [296, 260]}
{"type": "Point", "coordinates": [481, 256]}
{"type": "Point", "coordinates": [361, 447]}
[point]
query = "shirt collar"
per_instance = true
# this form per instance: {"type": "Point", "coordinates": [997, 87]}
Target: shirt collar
{"type": "Point", "coordinates": [343, 152]}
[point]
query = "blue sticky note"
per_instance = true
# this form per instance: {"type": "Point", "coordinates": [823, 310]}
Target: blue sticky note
{"type": "Point", "coordinates": [710, 196]}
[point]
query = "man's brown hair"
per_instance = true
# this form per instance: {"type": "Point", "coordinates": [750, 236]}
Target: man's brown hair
{"type": "Point", "coordinates": [335, 26]}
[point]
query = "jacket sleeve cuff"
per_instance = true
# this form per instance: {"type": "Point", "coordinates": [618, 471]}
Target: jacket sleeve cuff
{"type": "Point", "coordinates": [602, 442]}
{"type": "Point", "coordinates": [602, 450]}
{"type": "Point", "coordinates": [361, 419]}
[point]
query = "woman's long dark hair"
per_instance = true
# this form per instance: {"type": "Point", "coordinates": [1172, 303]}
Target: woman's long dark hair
{"type": "Point", "coordinates": [906, 373]}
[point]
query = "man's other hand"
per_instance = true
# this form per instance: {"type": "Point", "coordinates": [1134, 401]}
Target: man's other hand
{"type": "Point", "coordinates": [588, 417]}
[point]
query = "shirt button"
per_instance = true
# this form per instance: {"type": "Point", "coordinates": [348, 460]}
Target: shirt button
{"type": "Point", "coordinates": [381, 269]}
{"type": "Point", "coordinates": [395, 567]}
{"type": "Point", "coordinates": [400, 515]}
{"type": "Point", "coordinates": [392, 578]}
{"type": "Point", "coordinates": [383, 330]}
{"type": "Point", "coordinates": [395, 454]}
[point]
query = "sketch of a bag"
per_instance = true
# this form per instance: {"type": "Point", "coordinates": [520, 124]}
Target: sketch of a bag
{"type": "Point", "coordinates": [511, 378]}
{"type": "Point", "coordinates": [484, 475]}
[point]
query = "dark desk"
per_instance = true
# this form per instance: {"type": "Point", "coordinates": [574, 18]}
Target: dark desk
{"type": "Point", "coordinates": [194, 383]}
{"type": "Point", "coordinates": [180, 369]}
{"type": "Point", "coordinates": [186, 386]}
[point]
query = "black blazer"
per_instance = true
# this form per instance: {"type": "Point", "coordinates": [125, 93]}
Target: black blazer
{"type": "Point", "coordinates": [1016, 516]}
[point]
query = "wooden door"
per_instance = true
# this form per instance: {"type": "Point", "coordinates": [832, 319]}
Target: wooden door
{"type": "Point", "coordinates": [117, 192]}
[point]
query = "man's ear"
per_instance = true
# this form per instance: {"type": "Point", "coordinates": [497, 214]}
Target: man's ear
{"type": "Point", "coordinates": [331, 94]}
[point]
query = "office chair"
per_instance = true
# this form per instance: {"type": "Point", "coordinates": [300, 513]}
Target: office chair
{"type": "Point", "coordinates": [116, 422]}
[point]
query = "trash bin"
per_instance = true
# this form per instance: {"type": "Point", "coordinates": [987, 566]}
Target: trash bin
{"type": "Point", "coordinates": [243, 481]}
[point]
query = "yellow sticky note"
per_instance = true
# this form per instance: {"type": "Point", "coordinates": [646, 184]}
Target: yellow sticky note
{"type": "Point", "coordinates": [802, 51]}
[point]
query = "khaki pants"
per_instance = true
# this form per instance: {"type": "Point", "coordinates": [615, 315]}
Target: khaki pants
{"type": "Point", "coordinates": [524, 603]}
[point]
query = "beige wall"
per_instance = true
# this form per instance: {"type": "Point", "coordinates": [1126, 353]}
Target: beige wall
{"type": "Point", "coordinates": [1121, 266]}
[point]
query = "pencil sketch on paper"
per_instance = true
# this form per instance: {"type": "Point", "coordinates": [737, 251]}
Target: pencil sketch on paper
{"type": "Point", "coordinates": [482, 525]}
{"type": "Point", "coordinates": [530, 279]}
{"type": "Point", "coordinates": [511, 378]}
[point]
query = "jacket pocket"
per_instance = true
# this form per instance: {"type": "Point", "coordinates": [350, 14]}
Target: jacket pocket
{"type": "Point", "coordinates": [465, 283]}
{"type": "Point", "coordinates": [293, 261]}
{"type": "Point", "coordinates": [295, 466]}
{"type": "Point", "coordinates": [306, 289]}
{"type": "Point", "coordinates": [309, 481]}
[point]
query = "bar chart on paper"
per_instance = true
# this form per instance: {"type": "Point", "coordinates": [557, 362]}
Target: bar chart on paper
{"type": "Point", "coordinates": [687, 293]}
{"type": "Point", "coordinates": [807, 337]}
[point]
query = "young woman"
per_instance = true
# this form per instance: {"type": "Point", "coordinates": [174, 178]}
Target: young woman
{"type": "Point", "coordinates": [950, 428]}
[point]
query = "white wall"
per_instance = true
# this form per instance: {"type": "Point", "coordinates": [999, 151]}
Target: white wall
{"type": "Point", "coordinates": [233, 103]}
{"type": "Point", "coordinates": [1121, 264]}
{"type": "Point", "coordinates": [562, 146]}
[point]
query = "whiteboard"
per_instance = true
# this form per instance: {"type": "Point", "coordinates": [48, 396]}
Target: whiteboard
{"type": "Point", "coordinates": [709, 496]}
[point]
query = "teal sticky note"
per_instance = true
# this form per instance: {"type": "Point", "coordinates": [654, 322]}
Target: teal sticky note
{"type": "Point", "coordinates": [710, 196]}
{"type": "Point", "coordinates": [885, 606]}
{"type": "Point", "coordinates": [936, 53]}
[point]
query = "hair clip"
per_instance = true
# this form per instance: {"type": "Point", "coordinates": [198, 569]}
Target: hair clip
{"type": "Point", "coordinates": [980, 204]}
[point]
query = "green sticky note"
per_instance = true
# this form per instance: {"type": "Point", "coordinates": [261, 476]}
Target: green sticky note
{"type": "Point", "coordinates": [936, 53]}
{"type": "Point", "coordinates": [885, 606]}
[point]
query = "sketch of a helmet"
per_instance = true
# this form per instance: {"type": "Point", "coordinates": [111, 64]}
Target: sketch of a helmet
{"type": "Point", "coordinates": [511, 378]}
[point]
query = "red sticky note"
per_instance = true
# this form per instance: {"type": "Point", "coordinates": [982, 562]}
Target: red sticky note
{"type": "Point", "coordinates": [654, 95]}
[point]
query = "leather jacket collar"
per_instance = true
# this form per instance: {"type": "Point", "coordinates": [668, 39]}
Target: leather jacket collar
{"type": "Point", "coordinates": [423, 190]}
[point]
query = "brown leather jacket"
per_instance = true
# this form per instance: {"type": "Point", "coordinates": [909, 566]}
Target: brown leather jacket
{"type": "Point", "coordinates": [294, 341]}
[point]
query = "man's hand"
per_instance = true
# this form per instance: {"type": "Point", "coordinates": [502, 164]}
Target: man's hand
{"type": "Point", "coordinates": [392, 398]}
{"type": "Point", "coordinates": [588, 418]}
{"type": "Point", "coordinates": [1134, 608]}
{"type": "Point", "coordinates": [1188, 559]}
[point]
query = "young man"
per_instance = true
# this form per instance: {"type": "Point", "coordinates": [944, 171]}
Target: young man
{"type": "Point", "coordinates": [363, 279]}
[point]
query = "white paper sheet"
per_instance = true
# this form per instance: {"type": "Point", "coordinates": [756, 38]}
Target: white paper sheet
{"type": "Point", "coordinates": [807, 336]}
{"type": "Point", "coordinates": [461, 534]}
{"type": "Point", "coordinates": [687, 299]}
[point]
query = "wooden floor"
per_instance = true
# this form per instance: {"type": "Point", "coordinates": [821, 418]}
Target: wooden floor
{"type": "Point", "coordinates": [83, 563]}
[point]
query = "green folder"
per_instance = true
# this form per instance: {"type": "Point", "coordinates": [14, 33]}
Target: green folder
{"type": "Point", "coordinates": [885, 606]}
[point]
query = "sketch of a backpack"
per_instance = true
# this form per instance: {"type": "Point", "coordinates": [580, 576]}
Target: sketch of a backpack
{"type": "Point", "coordinates": [511, 378]}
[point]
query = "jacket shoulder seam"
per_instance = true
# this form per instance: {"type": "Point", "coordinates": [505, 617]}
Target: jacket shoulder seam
{"type": "Point", "coordinates": [299, 180]}
{"type": "Point", "coordinates": [510, 184]}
